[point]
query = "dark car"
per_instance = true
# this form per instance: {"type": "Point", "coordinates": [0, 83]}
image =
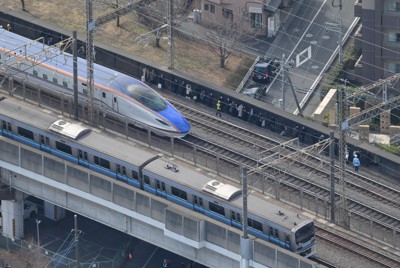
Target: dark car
{"type": "Point", "coordinates": [264, 70]}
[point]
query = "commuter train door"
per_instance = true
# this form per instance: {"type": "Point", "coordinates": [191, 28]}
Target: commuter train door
{"type": "Point", "coordinates": [198, 204]}
{"type": "Point", "coordinates": [83, 158]}
{"type": "Point", "coordinates": [160, 188]}
{"type": "Point", "coordinates": [45, 143]}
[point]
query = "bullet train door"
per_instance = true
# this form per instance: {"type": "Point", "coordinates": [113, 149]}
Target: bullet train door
{"type": "Point", "coordinates": [115, 104]}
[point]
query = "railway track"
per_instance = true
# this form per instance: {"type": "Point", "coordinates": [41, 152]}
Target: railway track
{"type": "Point", "coordinates": [350, 245]}
{"type": "Point", "coordinates": [295, 183]}
{"type": "Point", "coordinates": [244, 138]}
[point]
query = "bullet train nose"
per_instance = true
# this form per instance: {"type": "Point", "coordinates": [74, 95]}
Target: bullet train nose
{"type": "Point", "coordinates": [175, 118]}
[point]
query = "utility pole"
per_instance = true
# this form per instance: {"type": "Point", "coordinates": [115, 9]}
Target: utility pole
{"type": "Point", "coordinates": [283, 71]}
{"type": "Point", "coordinates": [244, 241]}
{"type": "Point", "coordinates": [75, 70]}
{"type": "Point", "coordinates": [170, 11]}
{"type": "Point", "coordinates": [76, 240]}
{"type": "Point", "coordinates": [332, 174]}
{"type": "Point", "coordinates": [90, 27]}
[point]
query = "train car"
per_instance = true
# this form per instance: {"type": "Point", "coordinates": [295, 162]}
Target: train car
{"type": "Point", "coordinates": [35, 62]}
{"type": "Point", "coordinates": [176, 181]}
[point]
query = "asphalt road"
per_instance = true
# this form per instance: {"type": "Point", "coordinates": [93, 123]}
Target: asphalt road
{"type": "Point", "coordinates": [307, 30]}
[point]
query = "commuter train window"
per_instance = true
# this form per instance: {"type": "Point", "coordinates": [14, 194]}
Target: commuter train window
{"type": "Point", "coordinates": [124, 171]}
{"type": "Point", "coordinates": [104, 94]}
{"type": "Point", "coordinates": [216, 208]}
{"type": "Point", "coordinates": [161, 185]}
{"type": "Point", "coordinates": [179, 193]}
{"type": "Point", "coordinates": [55, 80]}
{"type": "Point", "coordinates": [44, 140]}
{"type": "Point", "coordinates": [118, 168]}
{"type": "Point", "coordinates": [276, 233]}
{"type": "Point", "coordinates": [35, 72]}
{"type": "Point", "coordinates": [146, 179]}
{"type": "Point", "coordinates": [102, 162]}
{"type": "Point", "coordinates": [83, 155]}
{"type": "Point", "coordinates": [63, 147]}
{"type": "Point", "coordinates": [236, 216]}
{"type": "Point", "coordinates": [45, 76]}
{"type": "Point", "coordinates": [25, 133]}
{"type": "Point", "coordinates": [135, 175]}
{"type": "Point", "coordinates": [198, 201]}
{"type": "Point", "coordinates": [287, 239]}
{"type": "Point", "coordinates": [65, 84]}
{"type": "Point", "coordinates": [115, 99]}
{"type": "Point", "coordinates": [271, 231]}
{"type": "Point", "coordinates": [254, 224]}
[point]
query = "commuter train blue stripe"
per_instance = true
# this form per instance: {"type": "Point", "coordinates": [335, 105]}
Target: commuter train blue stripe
{"type": "Point", "coordinates": [121, 94]}
{"type": "Point", "coordinates": [185, 185]}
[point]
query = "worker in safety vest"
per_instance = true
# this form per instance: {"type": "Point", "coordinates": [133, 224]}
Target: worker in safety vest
{"type": "Point", "coordinates": [219, 107]}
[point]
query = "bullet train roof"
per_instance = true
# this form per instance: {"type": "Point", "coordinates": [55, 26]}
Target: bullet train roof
{"type": "Point", "coordinates": [63, 61]}
{"type": "Point", "coordinates": [102, 75]}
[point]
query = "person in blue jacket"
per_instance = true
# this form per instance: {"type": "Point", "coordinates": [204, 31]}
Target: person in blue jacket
{"type": "Point", "coordinates": [356, 163]}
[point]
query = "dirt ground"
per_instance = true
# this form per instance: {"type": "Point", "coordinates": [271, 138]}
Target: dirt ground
{"type": "Point", "coordinates": [191, 56]}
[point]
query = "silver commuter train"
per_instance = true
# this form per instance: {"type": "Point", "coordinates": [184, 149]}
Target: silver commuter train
{"type": "Point", "coordinates": [120, 93]}
{"type": "Point", "coordinates": [176, 181]}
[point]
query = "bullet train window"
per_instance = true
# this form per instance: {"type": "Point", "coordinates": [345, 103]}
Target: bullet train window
{"type": "Point", "coordinates": [254, 224]}
{"type": "Point", "coordinates": [179, 193]}
{"type": "Point", "coordinates": [55, 80]}
{"type": "Point", "coordinates": [102, 162]}
{"type": "Point", "coordinates": [135, 175]}
{"type": "Point", "coordinates": [25, 133]}
{"type": "Point", "coordinates": [305, 233]}
{"type": "Point", "coordinates": [146, 180]}
{"type": "Point", "coordinates": [147, 97]}
{"type": "Point", "coordinates": [45, 76]}
{"type": "Point", "coordinates": [35, 72]}
{"type": "Point", "coordinates": [104, 94]}
{"type": "Point", "coordinates": [216, 208]}
{"type": "Point", "coordinates": [63, 147]}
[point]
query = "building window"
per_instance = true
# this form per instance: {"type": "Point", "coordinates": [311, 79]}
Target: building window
{"type": "Point", "coordinates": [212, 9]}
{"type": "Point", "coordinates": [394, 37]}
{"type": "Point", "coordinates": [394, 5]}
{"type": "Point", "coordinates": [227, 13]}
{"type": "Point", "coordinates": [206, 7]}
{"type": "Point", "coordinates": [394, 67]}
{"type": "Point", "coordinates": [256, 20]}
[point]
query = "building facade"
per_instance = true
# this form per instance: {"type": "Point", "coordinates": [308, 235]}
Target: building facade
{"type": "Point", "coordinates": [379, 39]}
{"type": "Point", "coordinates": [255, 17]}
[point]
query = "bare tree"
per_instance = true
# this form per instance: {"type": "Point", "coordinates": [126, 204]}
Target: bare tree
{"type": "Point", "coordinates": [224, 38]}
{"type": "Point", "coordinates": [153, 14]}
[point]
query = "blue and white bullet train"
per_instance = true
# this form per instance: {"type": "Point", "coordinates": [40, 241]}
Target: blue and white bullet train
{"type": "Point", "coordinates": [120, 93]}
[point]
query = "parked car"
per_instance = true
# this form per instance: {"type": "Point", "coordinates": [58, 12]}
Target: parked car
{"type": "Point", "coordinates": [265, 70]}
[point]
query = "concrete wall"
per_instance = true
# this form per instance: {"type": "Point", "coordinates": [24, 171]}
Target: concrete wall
{"type": "Point", "coordinates": [132, 211]}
